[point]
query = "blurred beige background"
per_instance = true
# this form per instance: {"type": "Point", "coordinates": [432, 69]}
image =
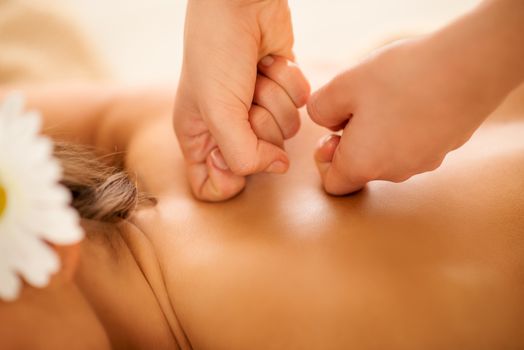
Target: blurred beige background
{"type": "Point", "coordinates": [141, 40]}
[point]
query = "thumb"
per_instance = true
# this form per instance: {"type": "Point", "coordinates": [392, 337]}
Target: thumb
{"type": "Point", "coordinates": [331, 105]}
{"type": "Point", "coordinates": [332, 167]}
{"type": "Point", "coordinates": [243, 152]}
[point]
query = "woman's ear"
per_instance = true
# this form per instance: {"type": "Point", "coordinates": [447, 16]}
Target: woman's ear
{"type": "Point", "coordinates": [69, 255]}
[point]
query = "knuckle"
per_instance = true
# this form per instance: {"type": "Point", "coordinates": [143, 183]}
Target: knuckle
{"type": "Point", "coordinates": [224, 192]}
{"type": "Point", "coordinates": [283, 75]}
{"type": "Point", "coordinates": [242, 167]}
{"type": "Point", "coordinates": [266, 90]}
{"type": "Point", "coordinates": [294, 84]}
{"type": "Point", "coordinates": [211, 192]}
{"type": "Point", "coordinates": [265, 126]}
{"type": "Point", "coordinates": [260, 118]}
{"type": "Point", "coordinates": [292, 125]}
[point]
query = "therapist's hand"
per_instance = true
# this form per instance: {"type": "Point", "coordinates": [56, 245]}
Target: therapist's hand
{"type": "Point", "coordinates": [238, 94]}
{"type": "Point", "coordinates": [400, 111]}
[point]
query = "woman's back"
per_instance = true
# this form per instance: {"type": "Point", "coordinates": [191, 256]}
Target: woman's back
{"type": "Point", "coordinates": [436, 260]}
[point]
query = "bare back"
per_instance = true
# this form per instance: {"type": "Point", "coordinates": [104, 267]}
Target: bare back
{"type": "Point", "coordinates": [436, 260]}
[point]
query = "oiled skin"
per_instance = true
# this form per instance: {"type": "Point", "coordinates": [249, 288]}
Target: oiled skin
{"type": "Point", "coordinates": [435, 262]}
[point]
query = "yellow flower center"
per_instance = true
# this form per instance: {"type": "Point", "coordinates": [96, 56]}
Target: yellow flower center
{"type": "Point", "coordinates": [3, 200]}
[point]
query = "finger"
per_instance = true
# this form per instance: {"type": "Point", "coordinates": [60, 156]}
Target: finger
{"type": "Point", "coordinates": [324, 154]}
{"type": "Point", "coordinates": [272, 97]}
{"type": "Point", "coordinates": [244, 153]}
{"type": "Point", "coordinates": [265, 126]}
{"type": "Point", "coordinates": [335, 169]}
{"type": "Point", "coordinates": [212, 180]}
{"type": "Point", "coordinates": [331, 106]}
{"type": "Point", "coordinates": [288, 75]}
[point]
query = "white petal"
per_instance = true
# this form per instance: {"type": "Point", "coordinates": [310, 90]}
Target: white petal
{"type": "Point", "coordinates": [59, 226]}
{"type": "Point", "coordinates": [37, 208]}
{"type": "Point", "coordinates": [10, 285]}
{"type": "Point", "coordinates": [13, 105]}
{"type": "Point", "coordinates": [33, 123]}
{"type": "Point", "coordinates": [53, 195]}
{"type": "Point", "coordinates": [35, 261]}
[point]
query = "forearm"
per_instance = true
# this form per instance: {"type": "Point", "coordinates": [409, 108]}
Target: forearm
{"type": "Point", "coordinates": [105, 117]}
{"type": "Point", "coordinates": [69, 112]}
{"type": "Point", "coordinates": [130, 111]}
{"type": "Point", "coordinates": [485, 46]}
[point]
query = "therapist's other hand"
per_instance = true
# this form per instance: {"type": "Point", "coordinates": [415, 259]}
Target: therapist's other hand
{"type": "Point", "coordinates": [238, 94]}
{"type": "Point", "coordinates": [401, 111]}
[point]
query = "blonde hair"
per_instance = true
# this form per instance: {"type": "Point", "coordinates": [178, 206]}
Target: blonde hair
{"type": "Point", "coordinates": [100, 192]}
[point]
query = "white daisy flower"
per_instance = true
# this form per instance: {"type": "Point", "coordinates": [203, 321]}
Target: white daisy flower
{"type": "Point", "coordinates": [34, 207]}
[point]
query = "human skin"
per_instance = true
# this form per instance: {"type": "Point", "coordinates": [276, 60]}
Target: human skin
{"type": "Point", "coordinates": [57, 317]}
{"type": "Point", "coordinates": [435, 262]}
{"type": "Point", "coordinates": [402, 109]}
{"type": "Point", "coordinates": [225, 45]}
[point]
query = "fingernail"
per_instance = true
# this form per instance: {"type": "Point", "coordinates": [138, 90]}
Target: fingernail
{"type": "Point", "coordinates": [277, 167]}
{"type": "Point", "coordinates": [323, 141]}
{"type": "Point", "coordinates": [326, 149]}
{"type": "Point", "coordinates": [218, 160]}
{"type": "Point", "coordinates": [267, 61]}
